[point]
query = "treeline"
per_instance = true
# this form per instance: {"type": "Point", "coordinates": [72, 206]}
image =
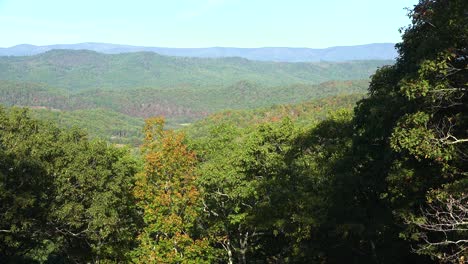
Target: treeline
{"type": "Point", "coordinates": [384, 184]}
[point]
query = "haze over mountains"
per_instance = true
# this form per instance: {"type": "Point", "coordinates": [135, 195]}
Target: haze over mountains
{"type": "Point", "coordinates": [376, 51]}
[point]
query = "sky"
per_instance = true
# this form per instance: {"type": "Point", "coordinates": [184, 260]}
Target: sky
{"type": "Point", "coordinates": [203, 23]}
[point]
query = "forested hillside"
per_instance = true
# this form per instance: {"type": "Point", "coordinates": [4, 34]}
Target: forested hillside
{"type": "Point", "coordinates": [123, 109]}
{"type": "Point", "coordinates": [84, 88]}
{"type": "Point", "coordinates": [124, 129]}
{"type": "Point", "coordinates": [383, 182]}
{"type": "Point", "coordinates": [302, 114]}
{"type": "Point", "coordinates": [77, 70]}
{"type": "Point", "coordinates": [145, 102]}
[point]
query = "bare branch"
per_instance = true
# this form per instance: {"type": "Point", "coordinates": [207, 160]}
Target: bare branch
{"type": "Point", "coordinates": [444, 229]}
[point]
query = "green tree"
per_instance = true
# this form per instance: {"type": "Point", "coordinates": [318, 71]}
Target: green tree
{"type": "Point", "coordinates": [24, 185]}
{"type": "Point", "coordinates": [266, 189]}
{"type": "Point", "coordinates": [93, 208]}
{"type": "Point", "coordinates": [431, 137]}
{"type": "Point", "coordinates": [62, 197]}
{"type": "Point", "coordinates": [409, 145]}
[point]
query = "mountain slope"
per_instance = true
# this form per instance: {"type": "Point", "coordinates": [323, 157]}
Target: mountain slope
{"type": "Point", "coordinates": [78, 70]}
{"type": "Point", "coordinates": [181, 105]}
{"type": "Point", "coordinates": [303, 114]}
{"type": "Point", "coordinates": [99, 123]}
{"type": "Point", "coordinates": [124, 129]}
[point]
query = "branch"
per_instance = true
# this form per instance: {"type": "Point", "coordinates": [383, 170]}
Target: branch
{"type": "Point", "coordinates": [448, 242]}
{"type": "Point", "coordinates": [445, 228]}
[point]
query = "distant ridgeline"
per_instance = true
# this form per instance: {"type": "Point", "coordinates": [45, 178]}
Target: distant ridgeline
{"type": "Point", "coordinates": [111, 94]}
{"type": "Point", "coordinates": [376, 51]}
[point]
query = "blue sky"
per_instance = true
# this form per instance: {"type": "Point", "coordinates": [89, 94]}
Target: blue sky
{"type": "Point", "coordinates": [203, 23]}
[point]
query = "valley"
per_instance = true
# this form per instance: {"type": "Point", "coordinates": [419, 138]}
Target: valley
{"type": "Point", "coordinates": [111, 94]}
{"type": "Point", "coordinates": [277, 154]}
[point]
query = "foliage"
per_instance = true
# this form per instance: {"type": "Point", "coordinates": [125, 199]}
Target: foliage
{"type": "Point", "coordinates": [302, 114]}
{"type": "Point", "coordinates": [62, 196]}
{"type": "Point", "coordinates": [409, 135]}
{"type": "Point", "coordinates": [385, 183]}
{"type": "Point", "coordinates": [98, 123]}
{"type": "Point", "coordinates": [117, 116]}
{"type": "Point", "coordinates": [169, 200]}
{"type": "Point", "coordinates": [250, 175]}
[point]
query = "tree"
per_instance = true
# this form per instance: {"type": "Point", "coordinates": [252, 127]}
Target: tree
{"type": "Point", "coordinates": [433, 132]}
{"type": "Point", "coordinates": [24, 185]}
{"type": "Point", "coordinates": [266, 189]}
{"type": "Point", "coordinates": [169, 200]}
{"type": "Point", "coordinates": [443, 227]}
{"type": "Point", "coordinates": [228, 195]}
{"type": "Point", "coordinates": [93, 210]}
{"type": "Point", "coordinates": [62, 197]}
{"type": "Point", "coordinates": [410, 133]}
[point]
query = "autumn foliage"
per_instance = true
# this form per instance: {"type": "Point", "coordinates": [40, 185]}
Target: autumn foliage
{"type": "Point", "coordinates": [168, 198]}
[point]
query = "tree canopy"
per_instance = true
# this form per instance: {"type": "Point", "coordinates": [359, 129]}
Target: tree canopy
{"type": "Point", "coordinates": [383, 183]}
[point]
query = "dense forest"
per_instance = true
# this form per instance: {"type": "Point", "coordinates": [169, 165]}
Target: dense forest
{"type": "Point", "coordinates": [83, 69]}
{"type": "Point", "coordinates": [343, 177]}
{"type": "Point", "coordinates": [125, 109]}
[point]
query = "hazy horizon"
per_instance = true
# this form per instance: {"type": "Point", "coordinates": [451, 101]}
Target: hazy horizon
{"type": "Point", "coordinates": [204, 47]}
{"type": "Point", "coordinates": [203, 23]}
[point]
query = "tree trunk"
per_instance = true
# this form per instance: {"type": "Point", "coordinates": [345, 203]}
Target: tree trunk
{"type": "Point", "coordinates": [229, 252]}
{"type": "Point", "coordinates": [241, 257]}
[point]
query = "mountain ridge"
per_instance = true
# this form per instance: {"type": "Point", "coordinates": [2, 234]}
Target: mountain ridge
{"type": "Point", "coordinates": [373, 51]}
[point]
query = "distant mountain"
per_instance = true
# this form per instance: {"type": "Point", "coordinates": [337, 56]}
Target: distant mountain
{"type": "Point", "coordinates": [81, 69]}
{"type": "Point", "coordinates": [377, 51]}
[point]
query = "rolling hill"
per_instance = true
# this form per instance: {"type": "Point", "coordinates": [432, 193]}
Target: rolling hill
{"type": "Point", "coordinates": [110, 94]}
{"type": "Point", "coordinates": [303, 114]}
{"type": "Point", "coordinates": [78, 70]}
{"type": "Point", "coordinates": [120, 128]}
{"type": "Point", "coordinates": [117, 115]}
{"type": "Point", "coordinates": [184, 105]}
